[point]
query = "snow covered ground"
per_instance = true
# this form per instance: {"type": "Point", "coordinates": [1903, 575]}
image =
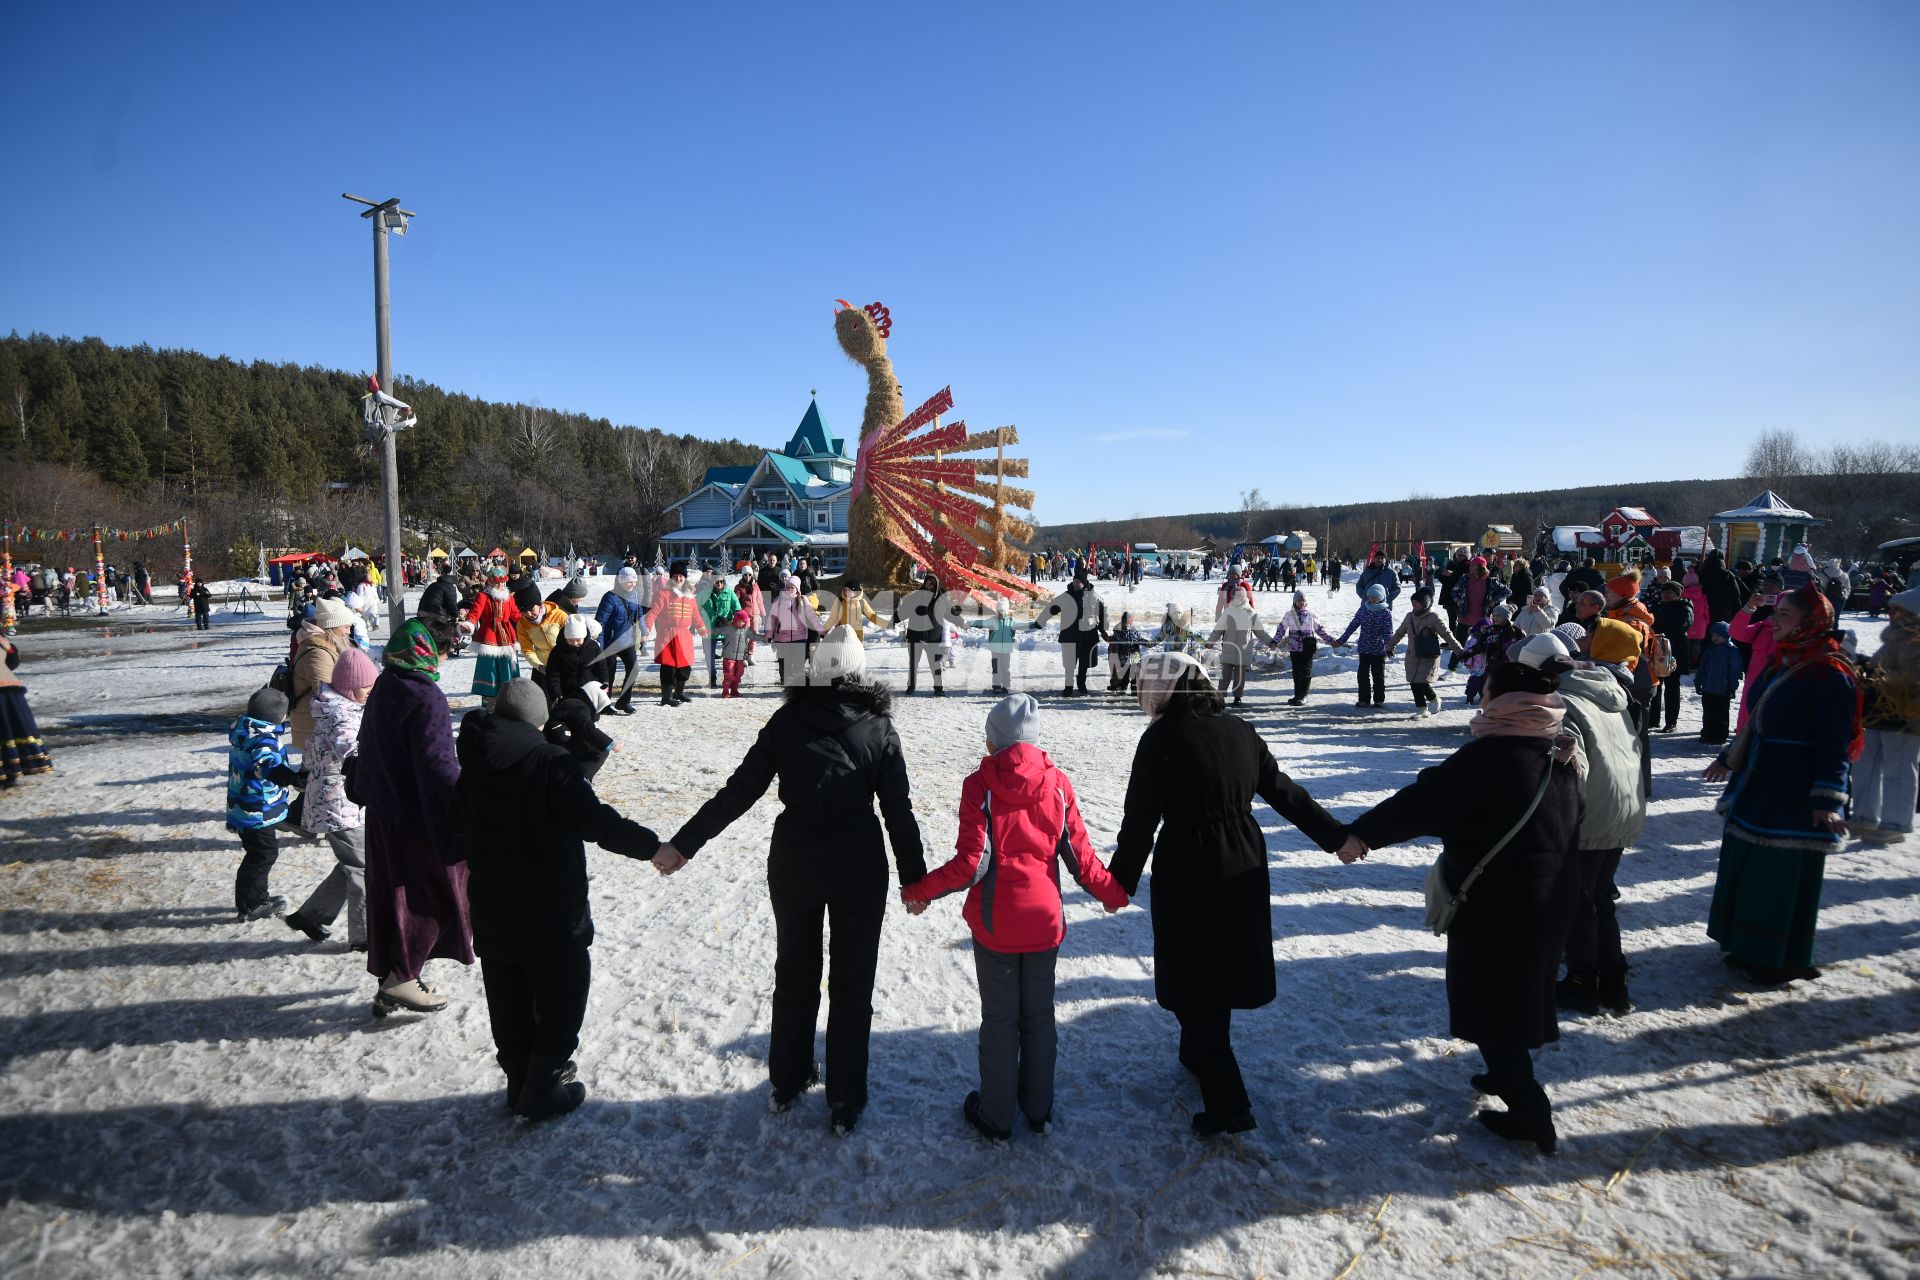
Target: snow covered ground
{"type": "Point", "coordinates": [183, 1095]}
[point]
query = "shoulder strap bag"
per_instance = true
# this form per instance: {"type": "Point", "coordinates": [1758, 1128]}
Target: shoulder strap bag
{"type": "Point", "coordinates": [1442, 903]}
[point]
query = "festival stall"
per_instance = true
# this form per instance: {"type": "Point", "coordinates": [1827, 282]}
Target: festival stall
{"type": "Point", "coordinates": [1766, 529]}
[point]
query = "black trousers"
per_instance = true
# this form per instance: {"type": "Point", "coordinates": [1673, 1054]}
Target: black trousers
{"type": "Point", "coordinates": [620, 669]}
{"type": "Point", "coordinates": [1302, 673]}
{"type": "Point", "coordinates": [1715, 711]}
{"type": "Point", "coordinates": [1423, 693]}
{"type": "Point", "coordinates": [810, 890]}
{"type": "Point", "coordinates": [201, 622]}
{"type": "Point", "coordinates": [262, 847]}
{"type": "Point", "coordinates": [536, 1003]}
{"type": "Point", "coordinates": [1453, 625]}
{"type": "Point", "coordinates": [673, 683]}
{"type": "Point", "coordinates": [1206, 1049]}
{"type": "Point", "coordinates": [930, 650]}
{"type": "Point", "coordinates": [1593, 941]}
{"type": "Point", "coordinates": [1670, 699]}
{"type": "Point", "coordinates": [1083, 656]}
{"type": "Point", "coordinates": [1511, 1073]}
{"type": "Point", "coordinates": [1373, 672]}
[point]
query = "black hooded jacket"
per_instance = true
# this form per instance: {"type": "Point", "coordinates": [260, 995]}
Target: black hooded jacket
{"type": "Point", "coordinates": [834, 752]}
{"type": "Point", "coordinates": [442, 596]}
{"type": "Point", "coordinates": [524, 811]}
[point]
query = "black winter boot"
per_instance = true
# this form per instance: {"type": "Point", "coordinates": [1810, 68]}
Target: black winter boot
{"type": "Point", "coordinates": [971, 1110]}
{"type": "Point", "coordinates": [1578, 993]}
{"type": "Point", "coordinates": [1613, 995]}
{"type": "Point", "coordinates": [1528, 1118]}
{"type": "Point", "coordinates": [550, 1089]}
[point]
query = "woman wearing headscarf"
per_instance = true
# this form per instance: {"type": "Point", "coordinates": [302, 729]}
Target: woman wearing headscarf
{"type": "Point", "coordinates": [1785, 805]}
{"type": "Point", "coordinates": [416, 867]}
{"type": "Point", "coordinates": [493, 619]}
{"type": "Point", "coordinates": [833, 749]}
{"type": "Point", "coordinates": [674, 620]}
{"type": "Point", "coordinates": [1520, 780]}
{"type": "Point", "coordinates": [1190, 807]}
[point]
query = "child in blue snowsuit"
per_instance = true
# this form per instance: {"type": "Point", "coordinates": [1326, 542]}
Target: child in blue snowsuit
{"type": "Point", "coordinates": [258, 778]}
{"type": "Point", "coordinates": [1374, 621]}
{"type": "Point", "coordinates": [1717, 680]}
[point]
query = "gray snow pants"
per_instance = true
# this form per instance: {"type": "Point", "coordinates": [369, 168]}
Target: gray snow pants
{"type": "Point", "coordinates": [345, 885]}
{"type": "Point", "coordinates": [1017, 1037]}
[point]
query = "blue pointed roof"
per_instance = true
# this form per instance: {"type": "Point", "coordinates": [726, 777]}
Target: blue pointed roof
{"type": "Point", "coordinates": [811, 439]}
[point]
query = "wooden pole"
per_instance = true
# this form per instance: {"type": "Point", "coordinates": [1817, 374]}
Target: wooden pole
{"type": "Point", "coordinates": [99, 572]}
{"type": "Point", "coordinates": [186, 553]}
{"type": "Point", "coordinates": [6, 575]}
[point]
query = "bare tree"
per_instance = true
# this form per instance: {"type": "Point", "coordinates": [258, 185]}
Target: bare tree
{"type": "Point", "coordinates": [1252, 504]}
{"type": "Point", "coordinates": [1775, 455]}
{"type": "Point", "coordinates": [18, 399]}
{"type": "Point", "coordinates": [536, 431]}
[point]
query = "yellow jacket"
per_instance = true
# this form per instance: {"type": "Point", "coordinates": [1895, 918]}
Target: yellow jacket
{"type": "Point", "coordinates": [539, 633]}
{"type": "Point", "coordinates": [855, 614]}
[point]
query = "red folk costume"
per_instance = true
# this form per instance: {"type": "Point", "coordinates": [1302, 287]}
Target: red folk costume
{"type": "Point", "coordinates": [674, 620]}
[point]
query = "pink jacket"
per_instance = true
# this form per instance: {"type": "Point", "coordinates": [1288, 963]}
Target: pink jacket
{"type": "Point", "coordinates": [1018, 822]}
{"type": "Point", "coordinates": [1694, 596]}
{"type": "Point", "coordinates": [1760, 635]}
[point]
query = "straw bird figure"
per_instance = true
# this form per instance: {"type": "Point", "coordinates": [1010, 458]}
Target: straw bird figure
{"type": "Point", "coordinates": [916, 495]}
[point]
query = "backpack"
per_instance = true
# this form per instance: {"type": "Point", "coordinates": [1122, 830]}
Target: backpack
{"type": "Point", "coordinates": [1658, 655]}
{"type": "Point", "coordinates": [282, 679]}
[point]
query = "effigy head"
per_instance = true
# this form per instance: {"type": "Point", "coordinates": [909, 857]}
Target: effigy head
{"type": "Point", "coordinates": [859, 336]}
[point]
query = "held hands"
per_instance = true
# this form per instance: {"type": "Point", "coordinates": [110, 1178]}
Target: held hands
{"type": "Point", "coordinates": [1717, 772]}
{"type": "Point", "coordinates": [668, 860]}
{"type": "Point", "coordinates": [913, 908]}
{"type": "Point", "coordinates": [1354, 850]}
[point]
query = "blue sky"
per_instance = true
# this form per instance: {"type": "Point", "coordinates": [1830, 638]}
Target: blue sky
{"type": "Point", "coordinates": [1337, 251]}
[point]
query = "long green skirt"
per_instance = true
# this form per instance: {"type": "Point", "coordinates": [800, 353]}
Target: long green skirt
{"type": "Point", "coordinates": [1766, 903]}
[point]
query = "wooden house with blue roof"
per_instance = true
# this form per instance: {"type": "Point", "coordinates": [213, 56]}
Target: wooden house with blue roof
{"type": "Point", "coordinates": [793, 502]}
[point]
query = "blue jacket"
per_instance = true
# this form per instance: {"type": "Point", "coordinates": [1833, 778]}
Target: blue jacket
{"type": "Point", "coordinates": [1376, 629]}
{"type": "Point", "coordinates": [1720, 671]}
{"type": "Point", "coordinates": [257, 775]}
{"type": "Point", "coordinates": [1796, 758]}
{"type": "Point", "coordinates": [1000, 635]}
{"type": "Point", "coordinates": [1384, 574]}
{"type": "Point", "coordinates": [617, 617]}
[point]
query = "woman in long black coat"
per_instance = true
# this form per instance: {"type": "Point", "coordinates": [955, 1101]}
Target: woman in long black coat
{"type": "Point", "coordinates": [1190, 805]}
{"type": "Point", "coordinates": [833, 749]}
{"type": "Point", "coordinates": [1503, 950]}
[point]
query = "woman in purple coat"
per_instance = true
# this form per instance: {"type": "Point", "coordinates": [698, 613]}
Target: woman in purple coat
{"type": "Point", "coordinates": [416, 867]}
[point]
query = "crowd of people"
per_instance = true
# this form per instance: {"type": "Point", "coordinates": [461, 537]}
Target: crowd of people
{"type": "Point", "coordinates": [1535, 812]}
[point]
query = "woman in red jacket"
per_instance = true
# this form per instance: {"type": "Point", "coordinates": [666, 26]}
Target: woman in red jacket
{"type": "Point", "coordinates": [1018, 822]}
{"type": "Point", "coordinates": [674, 622]}
{"type": "Point", "coordinates": [493, 617]}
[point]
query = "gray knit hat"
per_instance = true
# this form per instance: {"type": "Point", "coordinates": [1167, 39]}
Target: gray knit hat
{"type": "Point", "coordinates": [267, 704]}
{"type": "Point", "coordinates": [522, 700]}
{"type": "Point", "coordinates": [576, 589]}
{"type": "Point", "coordinates": [1015, 718]}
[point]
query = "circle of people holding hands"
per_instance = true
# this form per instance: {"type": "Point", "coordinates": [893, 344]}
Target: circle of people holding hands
{"type": "Point", "coordinates": [1533, 813]}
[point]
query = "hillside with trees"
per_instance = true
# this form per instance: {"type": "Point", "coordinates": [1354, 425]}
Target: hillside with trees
{"type": "Point", "coordinates": [272, 454]}
{"type": "Point", "coordinates": [1869, 492]}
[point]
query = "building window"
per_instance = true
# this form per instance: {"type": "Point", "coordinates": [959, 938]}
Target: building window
{"type": "Point", "coordinates": [820, 518]}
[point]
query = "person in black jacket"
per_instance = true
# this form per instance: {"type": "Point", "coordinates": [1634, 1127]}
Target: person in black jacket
{"type": "Point", "coordinates": [1190, 807]}
{"type": "Point", "coordinates": [833, 748]}
{"type": "Point", "coordinates": [527, 890]}
{"type": "Point", "coordinates": [1673, 618]}
{"type": "Point", "coordinates": [1721, 588]}
{"type": "Point", "coordinates": [926, 612]}
{"type": "Point", "coordinates": [1083, 625]}
{"type": "Point", "coordinates": [573, 662]}
{"type": "Point", "coordinates": [1504, 948]}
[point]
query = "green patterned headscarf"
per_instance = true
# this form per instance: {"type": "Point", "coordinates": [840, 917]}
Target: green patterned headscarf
{"type": "Point", "coordinates": [411, 648]}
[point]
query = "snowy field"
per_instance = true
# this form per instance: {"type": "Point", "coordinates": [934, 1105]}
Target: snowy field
{"type": "Point", "coordinates": [186, 1096]}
